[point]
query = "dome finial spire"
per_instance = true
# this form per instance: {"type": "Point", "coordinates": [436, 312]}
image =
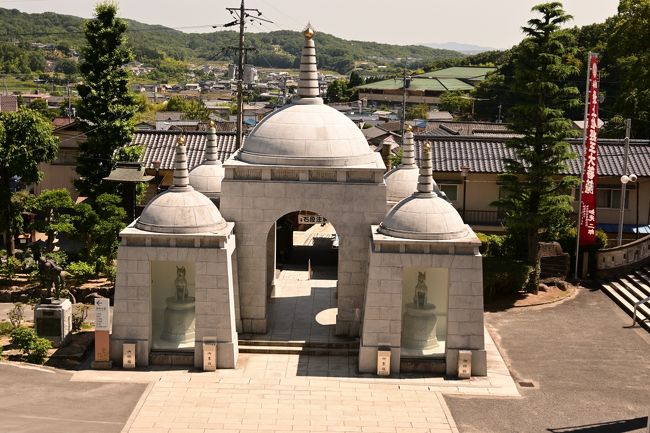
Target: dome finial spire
{"type": "Point", "coordinates": [425, 179]}
{"type": "Point", "coordinates": [181, 175]}
{"type": "Point", "coordinates": [308, 87]}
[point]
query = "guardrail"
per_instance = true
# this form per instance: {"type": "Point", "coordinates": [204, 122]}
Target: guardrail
{"type": "Point", "coordinates": [620, 259]}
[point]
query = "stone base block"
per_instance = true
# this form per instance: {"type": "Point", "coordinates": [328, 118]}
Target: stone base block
{"type": "Point", "coordinates": [479, 362]}
{"type": "Point", "coordinates": [368, 359]}
{"type": "Point", "coordinates": [141, 348]}
{"type": "Point", "coordinates": [227, 355]}
{"type": "Point", "coordinates": [101, 365]}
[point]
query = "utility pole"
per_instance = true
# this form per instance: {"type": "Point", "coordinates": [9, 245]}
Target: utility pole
{"type": "Point", "coordinates": [242, 14]}
{"type": "Point", "coordinates": [624, 180]}
{"type": "Point", "coordinates": [406, 83]}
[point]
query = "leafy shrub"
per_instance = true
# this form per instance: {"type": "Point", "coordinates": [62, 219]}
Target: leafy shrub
{"type": "Point", "coordinates": [38, 350]}
{"type": "Point", "coordinates": [9, 265]}
{"type": "Point", "coordinates": [81, 270]}
{"type": "Point", "coordinates": [494, 245]}
{"type": "Point", "coordinates": [504, 276]}
{"type": "Point", "coordinates": [79, 315]}
{"type": "Point", "coordinates": [5, 328]}
{"type": "Point", "coordinates": [59, 257]}
{"type": "Point", "coordinates": [16, 314]}
{"type": "Point", "coordinates": [23, 338]}
{"type": "Point", "coordinates": [32, 347]}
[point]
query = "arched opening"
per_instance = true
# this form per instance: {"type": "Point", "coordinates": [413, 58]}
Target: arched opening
{"type": "Point", "coordinates": [302, 264]}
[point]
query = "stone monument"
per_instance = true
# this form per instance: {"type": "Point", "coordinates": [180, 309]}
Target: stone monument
{"type": "Point", "coordinates": [179, 314]}
{"type": "Point", "coordinates": [419, 322]}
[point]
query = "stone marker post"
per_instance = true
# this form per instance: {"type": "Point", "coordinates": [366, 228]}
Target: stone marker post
{"type": "Point", "coordinates": [102, 330]}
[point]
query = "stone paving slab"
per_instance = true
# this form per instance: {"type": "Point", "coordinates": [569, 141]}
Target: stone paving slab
{"type": "Point", "coordinates": [269, 393]}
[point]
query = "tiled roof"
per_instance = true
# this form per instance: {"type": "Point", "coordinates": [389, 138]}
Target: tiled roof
{"type": "Point", "coordinates": [420, 84]}
{"type": "Point", "coordinates": [160, 146]}
{"type": "Point", "coordinates": [486, 155]}
{"type": "Point", "coordinates": [461, 72]}
{"type": "Point", "coordinates": [8, 103]}
{"type": "Point", "coordinates": [438, 127]}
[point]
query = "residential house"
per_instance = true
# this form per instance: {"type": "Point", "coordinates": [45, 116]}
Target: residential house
{"type": "Point", "coordinates": [483, 160]}
{"type": "Point", "coordinates": [423, 89]}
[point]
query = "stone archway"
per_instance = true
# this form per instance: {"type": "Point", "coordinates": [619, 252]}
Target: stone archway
{"type": "Point", "coordinates": [351, 205]}
{"type": "Point", "coordinates": [302, 272]}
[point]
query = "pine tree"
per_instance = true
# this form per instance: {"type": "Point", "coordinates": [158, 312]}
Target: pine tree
{"type": "Point", "coordinates": [107, 107]}
{"type": "Point", "coordinates": [535, 194]}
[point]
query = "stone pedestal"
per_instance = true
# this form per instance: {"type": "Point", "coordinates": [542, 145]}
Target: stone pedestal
{"type": "Point", "coordinates": [419, 329]}
{"type": "Point", "coordinates": [179, 321]}
{"type": "Point", "coordinates": [53, 320]}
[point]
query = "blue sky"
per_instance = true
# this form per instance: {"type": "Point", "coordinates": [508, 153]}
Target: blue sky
{"type": "Point", "coordinates": [492, 23]}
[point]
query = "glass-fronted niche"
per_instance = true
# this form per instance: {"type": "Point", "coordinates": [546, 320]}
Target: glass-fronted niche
{"type": "Point", "coordinates": [172, 305]}
{"type": "Point", "coordinates": [424, 311]}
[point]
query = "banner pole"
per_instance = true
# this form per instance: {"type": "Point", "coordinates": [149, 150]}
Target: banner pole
{"type": "Point", "coordinates": [582, 165]}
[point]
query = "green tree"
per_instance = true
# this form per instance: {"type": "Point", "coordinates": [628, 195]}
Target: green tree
{"type": "Point", "coordinates": [456, 102]}
{"type": "Point", "coordinates": [26, 140]}
{"type": "Point", "coordinates": [535, 201]}
{"type": "Point", "coordinates": [192, 107]}
{"type": "Point", "coordinates": [104, 233]}
{"type": "Point", "coordinates": [107, 108]}
{"type": "Point", "coordinates": [56, 207]}
{"type": "Point", "coordinates": [337, 91]}
{"type": "Point", "coordinates": [418, 111]}
{"type": "Point", "coordinates": [627, 49]}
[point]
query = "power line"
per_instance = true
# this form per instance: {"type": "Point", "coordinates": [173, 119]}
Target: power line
{"type": "Point", "coordinates": [241, 15]}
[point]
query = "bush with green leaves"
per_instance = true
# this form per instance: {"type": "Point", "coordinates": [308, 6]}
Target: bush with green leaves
{"type": "Point", "coordinates": [81, 270]}
{"type": "Point", "coordinates": [9, 265]}
{"type": "Point", "coordinates": [79, 315]}
{"type": "Point", "coordinates": [494, 245]}
{"type": "Point", "coordinates": [504, 276]}
{"type": "Point", "coordinates": [38, 350]}
{"type": "Point", "coordinates": [33, 347]}
{"type": "Point", "coordinates": [5, 328]}
{"type": "Point", "coordinates": [16, 314]}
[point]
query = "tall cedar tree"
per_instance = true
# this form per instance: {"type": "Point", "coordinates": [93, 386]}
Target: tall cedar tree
{"type": "Point", "coordinates": [627, 48]}
{"type": "Point", "coordinates": [535, 194]}
{"type": "Point", "coordinates": [26, 140]}
{"type": "Point", "coordinates": [107, 107]}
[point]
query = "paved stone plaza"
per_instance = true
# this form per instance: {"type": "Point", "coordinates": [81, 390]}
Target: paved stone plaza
{"type": "Point", "coordinates": [293, 393]}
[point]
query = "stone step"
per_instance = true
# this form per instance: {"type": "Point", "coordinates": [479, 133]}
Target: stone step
{"type": "Point", "coordinates": [171, 358]}
{"type": "Point", "coordinates": [296, 350]}
{"type": "Point", "coordinates": [301, 344]}
{"type": "Point", "coordinates": [618, 293]}
{"type": "Point", "coordinates": [423, 365]}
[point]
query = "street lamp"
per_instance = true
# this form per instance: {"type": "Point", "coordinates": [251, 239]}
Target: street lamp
{"type": "Point", "coordinates": [624, 181]}
{"type": "Point", "coordinates": [464, 171]}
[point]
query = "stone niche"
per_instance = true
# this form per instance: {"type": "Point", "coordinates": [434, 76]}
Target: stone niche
{"type": "Point", "coordinates": [449, 273]}
{"type": "Point", "coordinates": [171, 291]}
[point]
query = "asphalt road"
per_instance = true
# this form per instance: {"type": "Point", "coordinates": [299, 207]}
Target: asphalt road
{"type": "Point", "coordinates": [36, 399]}
{"type": "Point", "coordinates": [590, 372]}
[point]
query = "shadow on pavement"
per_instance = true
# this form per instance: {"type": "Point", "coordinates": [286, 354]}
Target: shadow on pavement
{"type": "Point", "coordinates": [621, 426]}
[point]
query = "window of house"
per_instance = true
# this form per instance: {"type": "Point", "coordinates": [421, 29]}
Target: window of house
{"type": "Point", "coordinates": [609, 197]}
{"type": "Point", "coordinates": [450, 190]}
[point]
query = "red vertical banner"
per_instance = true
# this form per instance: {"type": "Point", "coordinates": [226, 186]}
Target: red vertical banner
{"type": "Point", "coordinates": [590, 170]}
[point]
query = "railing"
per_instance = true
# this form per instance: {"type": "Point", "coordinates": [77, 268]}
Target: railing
{"type": "Point", "coordinates": [625, 256]}
{"type": "Point", "coordinates": [636, 306]}
{"type": "Point", "coordinates": [482, 217]}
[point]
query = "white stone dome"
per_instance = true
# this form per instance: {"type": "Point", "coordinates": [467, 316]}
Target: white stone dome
{"type": "Point", "coordinates": [207, 179]}
{"type": "Point", "coordinates": [423, 216]}
{"type": "Point", "coordinates": [307, 133]}
{"type": "Point", "coordinates": [181, 213]}
{"type": "Point", "coordinates": [400, 181]}
{"type": "Point", "coordinates": [181, 209]}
